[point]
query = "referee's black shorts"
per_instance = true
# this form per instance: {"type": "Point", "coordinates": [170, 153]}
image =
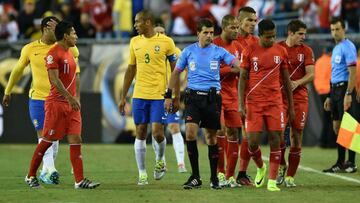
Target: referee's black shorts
{"type": "Point", "coordinates": [337, 95]}
{"type": "Point", "coordinates": [203, 109]}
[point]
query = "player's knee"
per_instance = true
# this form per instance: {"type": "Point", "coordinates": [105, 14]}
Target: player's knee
{"type": "Point", "coordinates": [232, 134]}
{"type": "Point", "coordinates": [74, 139]}
{"type": "Point", "coordinates": [210, 140]}
{"type": "Point", "coordinates": [174, 128]}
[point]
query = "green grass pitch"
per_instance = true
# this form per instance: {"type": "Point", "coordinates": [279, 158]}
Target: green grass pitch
{"type": "Point", "coordinates": [114, 166]}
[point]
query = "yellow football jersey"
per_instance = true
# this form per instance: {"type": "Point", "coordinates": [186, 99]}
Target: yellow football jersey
{"type": "Point", "coordinates": [34, 54]}
{"type": "Point", "coordinates": [150, 57]}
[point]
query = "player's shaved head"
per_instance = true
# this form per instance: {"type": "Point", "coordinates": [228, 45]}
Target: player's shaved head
{"type": "Point", "coordinates": [147, 15]}
{"type": "Point", "coordinates": [244, 12]}
{"type": "Point", "coordinates": [44, 21]}
{"type": "Point", "coordinates": [265, 25]}
{"type": "Point", "coordinates": [227, 20]}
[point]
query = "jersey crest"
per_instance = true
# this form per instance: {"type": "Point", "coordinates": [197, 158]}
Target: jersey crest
{"type": "Point", "coordinates": [301, 57]}
{"type": "Point", "coordinates": [277, 59]}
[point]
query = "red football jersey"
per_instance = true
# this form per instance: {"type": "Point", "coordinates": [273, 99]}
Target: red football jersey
{"type": "Point", "coordinates": [229, 81]}
{"type": "Point", "coordinates": [246, 41]}
{"type": "Point", "coordinates": [63, 60]}
{"type": "Point", "coordinates": [263, 66]}
{"type": "Point", "coordinates": [299, 57]}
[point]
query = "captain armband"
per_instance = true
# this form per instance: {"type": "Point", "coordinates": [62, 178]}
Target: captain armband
{"type": "Point", "coordinates": [172, 58]}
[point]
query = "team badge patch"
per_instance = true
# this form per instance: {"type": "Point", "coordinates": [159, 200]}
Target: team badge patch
{"type": "Point", "coordinates": [300, 57]}
{"type": "Point", "coordinates": [192, 65]}
{"type": "Point", "coordinates": [49, 59]}
{"type": "Point", "coordinates": [157, 49]}
{"type": "Point", "coordinates": [35, 122]}
{"type": "Point", "coordinates": [51, 132]}
{"type": "Point", "coordinates": [277, 59]}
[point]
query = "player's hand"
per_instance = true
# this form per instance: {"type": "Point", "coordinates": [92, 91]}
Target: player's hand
{"type": "Point", "coordinates": [6, 100]}
{"type": "Point", "coordinates": [294, 85]}
{"type": "Point", "coordinates": [52, 24]}
{"type": "Point", "coordinates": [347, 102]}
{"type": "Point", "coordinates": [74, 103]}
{"type": "Point", "coordinates": [175, 105]}
{"type": "Point", "coordinates": [327, 104]}
{"type": "Point", "coordinates": [122, 106]}
{"type": "Point", "coordinates": [242, 112]}
{"type": "Point", "coordinates": [168, 105]}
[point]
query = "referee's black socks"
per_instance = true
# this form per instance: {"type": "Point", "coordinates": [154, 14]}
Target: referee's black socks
{"type": "Point", "coordinates": [213, 154]}
{"type": "Point", "coordinates": [193, 154]}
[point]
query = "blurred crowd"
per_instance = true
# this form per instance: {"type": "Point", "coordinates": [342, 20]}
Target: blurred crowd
{"type": "Point", "coordinates": [104, 19]}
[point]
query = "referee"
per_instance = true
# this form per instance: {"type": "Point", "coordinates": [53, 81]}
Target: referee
{"type": "Point", "coordinates": [202, 97]}
{"type": "Point", "coordinates": [342, 95]}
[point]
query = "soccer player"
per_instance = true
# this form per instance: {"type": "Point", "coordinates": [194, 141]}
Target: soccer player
{"type": "Point", "coordinates": [301, 70]}
{"type": "Point", "coordinates": [230, 117]}
{"type": "Point", "coordinates": [173, 119]}
{"type": "Point", "coordinates": [62, 107]}
{"type": "Point", "coordinates": [262, 66]}
{"type": "Point", "coordinates": [202, 97]}
{"type": "Point", "coordinates": [343, 76]}
{"type": "Point", "coordinates": [149, 52]}
{"type": "Point", "coordinates": [247, 21]}
{"type": "Point", "coordinates": [33, 54]}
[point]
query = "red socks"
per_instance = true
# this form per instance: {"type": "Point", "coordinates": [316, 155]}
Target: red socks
{"type": "Point", "coordinates": [283, 149]}
{"type": "Point", "coordinates": [38, 156]}
{"type": "Point", "coordinates": [274, 163]}
{"type": "Point", "coordinates": [76, 161]}
{"type": "Point", "coordinates": [232, 154]}
{"type": "Point", "coordinates": [256, 156]}
{"type": "Point", "coordinates": [294, 160]}
{"type": "Point", "coordinates": [221, 142]}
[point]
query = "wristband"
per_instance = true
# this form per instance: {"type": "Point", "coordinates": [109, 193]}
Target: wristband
{"type": "Point", "coordinates": [168, 94]}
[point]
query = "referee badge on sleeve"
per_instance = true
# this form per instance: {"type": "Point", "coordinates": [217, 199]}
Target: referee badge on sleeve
{"type": "Point", "coordinates": [192, 65]}
{"type": "Point", "coordinates": [214, 65]}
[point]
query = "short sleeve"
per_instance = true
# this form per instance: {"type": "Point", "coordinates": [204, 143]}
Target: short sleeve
{"type": "Point", "coordinates": [285, 60]}
{"type": "Point", "coordinates": [350, 55]}
{"type": "Point", "coordinates": [309, 56]}
{"type": "Point", "coordinates": [132, 57]}
{"type": "Point", "coordinates": [227, 57]}
{"type": "Point", "coordinates": [171, 52]}
{"type": "Point", "coordinates": [51, 60]}
{"type": "Point", "coordinates": [182, 61]}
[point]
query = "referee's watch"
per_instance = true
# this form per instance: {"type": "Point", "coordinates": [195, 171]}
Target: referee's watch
{"type": "Point", "coordinates": [348, 93]}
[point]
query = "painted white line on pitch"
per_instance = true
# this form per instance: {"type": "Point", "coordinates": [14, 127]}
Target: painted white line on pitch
{"type": "Point", "coordinates": [308, 169]}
